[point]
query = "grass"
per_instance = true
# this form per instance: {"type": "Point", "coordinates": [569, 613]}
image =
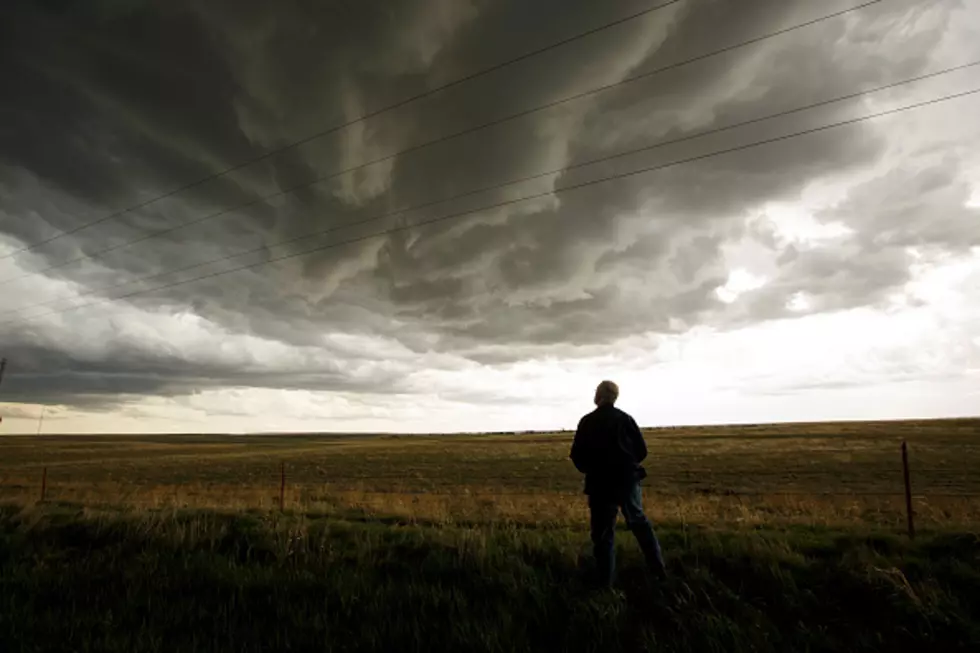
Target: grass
{"type": "Point", "coordinates": [827, 474]}
{"type": "Point", "coordinates": [77, 579]}
{"type": "Point", "coordinates": [778, 538]}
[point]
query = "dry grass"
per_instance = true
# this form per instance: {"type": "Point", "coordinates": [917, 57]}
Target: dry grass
{"type": "Point", "coordinates": [540, 509]}
{"type": "Point", "coordinates": [777, 538]}
{"type": "Point", "coordinates": [818, 474]}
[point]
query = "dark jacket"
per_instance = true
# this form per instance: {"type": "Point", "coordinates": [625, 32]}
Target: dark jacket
{"type": "Point", "coordinates": [608, 449]}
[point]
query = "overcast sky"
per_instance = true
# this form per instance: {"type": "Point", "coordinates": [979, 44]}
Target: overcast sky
{"type": "Point", "coordinates": [834, 275]}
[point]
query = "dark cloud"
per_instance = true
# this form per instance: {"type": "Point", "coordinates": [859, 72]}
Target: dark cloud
{"type": "Point", "coordinates": [40, 374]}
{"type": "Point", "coordinates": [113, 103]}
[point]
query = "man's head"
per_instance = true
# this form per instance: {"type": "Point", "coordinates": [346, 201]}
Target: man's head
{"type": "Point", "coordinates": [606, 394]}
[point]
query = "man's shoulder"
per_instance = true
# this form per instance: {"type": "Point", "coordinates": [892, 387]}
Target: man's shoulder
{"type": "Point", "coordinates": [605, 415]}
{"type": "Point", "coordinates": [593, 418]}
{"type": "Point", "coordinates": [622, 414]}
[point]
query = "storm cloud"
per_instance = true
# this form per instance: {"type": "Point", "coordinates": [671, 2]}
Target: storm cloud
{"type": "Point", "coordinates": [109, 105]}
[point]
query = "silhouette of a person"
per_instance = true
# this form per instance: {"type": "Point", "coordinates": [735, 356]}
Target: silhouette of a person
{"type": "Point", "coordinates": [608, 449]}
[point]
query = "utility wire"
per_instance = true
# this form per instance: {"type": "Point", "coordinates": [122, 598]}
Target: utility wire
{"type": "Point", "coordinates": [514, 201]}
{"type": "Point", "coordinates": [444, 139]}
{"type": "Point", "coordinates": [350, 123]}
{"type": "Point", "coordinates": [501, 185]}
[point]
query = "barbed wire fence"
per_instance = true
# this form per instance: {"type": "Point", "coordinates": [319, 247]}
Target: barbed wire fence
{"type": "Point", "coordinates": [703, 482]}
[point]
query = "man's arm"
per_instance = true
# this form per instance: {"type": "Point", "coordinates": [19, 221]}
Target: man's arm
{"type": "Point", "coordinates": [580, 455]}
{"type": "Point", "coordinates": [639, 445]}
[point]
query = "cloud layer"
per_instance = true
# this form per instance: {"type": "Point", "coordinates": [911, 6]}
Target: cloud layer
{"type": "Point", "coordinates": [110, 105]}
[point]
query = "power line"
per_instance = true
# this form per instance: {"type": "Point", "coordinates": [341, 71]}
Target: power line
{"type": "Point", "coordinates": [505, 184]}
{"type": "Point", "coordinates": [510, 202]}
{"type": "Point", "coordinates": [354, 121]}
{"type": "Point", "coordinates": [444, 139]}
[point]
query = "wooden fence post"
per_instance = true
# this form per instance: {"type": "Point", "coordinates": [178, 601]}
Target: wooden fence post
{"type": "Point", "coordinates": [282, 487]}
{"type": "Point", "coordinates": [908, 489]}
{"type": "Point", "coordinates": [44, 483]}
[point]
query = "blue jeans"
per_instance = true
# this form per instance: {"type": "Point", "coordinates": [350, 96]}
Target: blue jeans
{"type": "Point", "coordinates": [602, 513]}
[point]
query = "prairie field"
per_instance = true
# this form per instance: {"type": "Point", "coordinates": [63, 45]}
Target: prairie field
{"type": "Point", "coordinates": [777, 538]}
{"type": "Point", "coordinates": [802, 473]}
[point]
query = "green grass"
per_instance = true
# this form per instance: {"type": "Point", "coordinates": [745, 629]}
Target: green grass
{"type": "Point", "coordinates": [479, 543]}
{"type": "Point", "coordinates": [74, 579]}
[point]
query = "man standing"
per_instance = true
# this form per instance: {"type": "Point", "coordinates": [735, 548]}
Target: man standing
{"type": "Point", "coordinates": [608, 449]}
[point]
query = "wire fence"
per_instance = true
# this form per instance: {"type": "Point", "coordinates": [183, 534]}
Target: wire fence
{"type": "Point", "coordinates": [868, 488]}
{"type": "Point", "coordinates": [703, 482]}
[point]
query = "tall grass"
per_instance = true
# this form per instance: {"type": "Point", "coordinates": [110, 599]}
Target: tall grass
{"type": "Point", "coordinates": [163, 543]}
{"type": "Point", "coordinates": [76, 578]}
{"type": "Point", "coordinates": [500, 503]}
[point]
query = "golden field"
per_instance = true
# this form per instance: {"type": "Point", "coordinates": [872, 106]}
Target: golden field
{"type": "Point", "coordinates": [820, 473]}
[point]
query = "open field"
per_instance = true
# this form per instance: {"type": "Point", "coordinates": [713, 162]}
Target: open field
{"type": "Point", "coordinates": [102, 580]}
{"type": "Point", "coordinates": [777, 538]}
{"type": "Point", "coordinates": [809, 473]}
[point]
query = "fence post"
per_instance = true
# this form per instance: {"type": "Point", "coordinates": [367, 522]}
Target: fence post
{"type": "Point", "coordinates": [44, 483]}
{"type": "Point", "coordinates": [908, 489]}
{"type": "Point", "coordinates": [282, 487]}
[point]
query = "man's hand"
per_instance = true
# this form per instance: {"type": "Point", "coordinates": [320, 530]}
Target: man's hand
{"type": "Point", "coordinates": [580, 456]}
{"type": "Point", "coordinates": [639, 445]}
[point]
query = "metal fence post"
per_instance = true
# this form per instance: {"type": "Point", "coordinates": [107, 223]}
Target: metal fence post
{"type": "Point", "coordinates": [908, 489]}
{"type": "Point", "coordinates": [282, 487]}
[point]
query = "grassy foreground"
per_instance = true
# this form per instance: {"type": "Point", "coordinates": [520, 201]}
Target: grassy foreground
{"type": "Point", "coordinates": [73, 578]}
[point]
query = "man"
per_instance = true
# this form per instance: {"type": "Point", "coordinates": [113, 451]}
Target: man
{"type": "Point", "coordinates": [608, 449]}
